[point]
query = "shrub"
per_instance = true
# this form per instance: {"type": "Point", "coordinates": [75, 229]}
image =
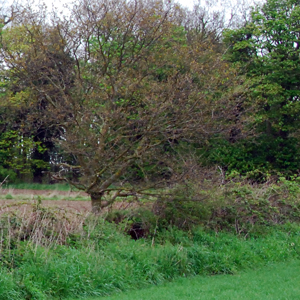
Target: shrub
{"type": "Point", "coordinates": [235, 206]}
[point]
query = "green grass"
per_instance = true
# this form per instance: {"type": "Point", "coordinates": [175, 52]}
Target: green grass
{"type": "Point", "coordinates": [279, 281]}
{"type": "Point", "coordinates": [8, 197]}
{"type": "Point", "coordinates": [39, 186]}
{"type": "Point", "coordinates": [102, 261]}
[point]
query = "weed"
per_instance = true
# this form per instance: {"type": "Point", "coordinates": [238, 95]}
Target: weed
{"type": "Point", "coordinates": [8, 197]}
{"type": "Point", "coordinates": [52, 252]}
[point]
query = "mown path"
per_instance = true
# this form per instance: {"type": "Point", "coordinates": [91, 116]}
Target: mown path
{"type": "Point", "coordinates": [280, 281]}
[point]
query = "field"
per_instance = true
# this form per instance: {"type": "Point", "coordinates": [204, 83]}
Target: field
{"type": "Point", "coordinates": [22, 199]}
{"type": "Point", "coordinates": [53, 196]}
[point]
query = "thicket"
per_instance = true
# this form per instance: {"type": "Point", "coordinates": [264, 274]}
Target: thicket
{"type": "Point", "coordinates": [267, 55]}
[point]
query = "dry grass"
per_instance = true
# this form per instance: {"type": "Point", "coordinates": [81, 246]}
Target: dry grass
{"type": "Point", "coordinates": [30, 221]}
{"type": "Point", "coordinates": [46, 217]}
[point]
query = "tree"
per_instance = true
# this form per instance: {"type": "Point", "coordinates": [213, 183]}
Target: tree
{"type": "Point", "coordinates": [28, 107]}
{"type": "Point", "coordinates": [20, 151]}
{"type": "Point", "coordinates": [266, 51]}
{"type": "Point", "coordinates": [126, 88]}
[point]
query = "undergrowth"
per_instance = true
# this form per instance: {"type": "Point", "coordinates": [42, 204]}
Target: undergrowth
{"type": "Point", "coordinates": [47, 255]}
{"type": "Point", "coordinates": [239, 207]}
{"type": "Point", "coordinates": [56, 253]}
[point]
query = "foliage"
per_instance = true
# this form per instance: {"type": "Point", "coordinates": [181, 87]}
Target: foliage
{"type": "Point", "coordinates": [105, 82]}
{"type": "Point", "coordinates": [266, 51]}
{"type": "Point", "coordinates": [256, 158]}
{"type": "Point", "coordinates": [235, 206]}
{"type": "Point", "coordinates": [50, 252]}
{"type": "Point", "coordinates": [25, 123]}
{"type": "Point", "coordinates": [16, 155]}
{"type": "Point", "coordinates": [7, 173]}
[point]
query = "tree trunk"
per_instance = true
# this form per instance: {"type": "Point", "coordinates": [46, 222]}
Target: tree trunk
{"type": "Point", "coordinates": [96, 198]}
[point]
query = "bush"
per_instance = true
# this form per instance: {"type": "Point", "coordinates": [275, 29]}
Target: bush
{"type": "Point", "coordinates": [255, 159]}
{"type": "Point", "coordinates": [9, 197]}
{"type": "Point", "coordinates": [240, 207]}
{"type": "Point", "coordinates": [7, 173]}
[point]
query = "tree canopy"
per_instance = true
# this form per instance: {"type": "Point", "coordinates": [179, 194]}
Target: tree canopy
{"type": "Point", "coordinates": [267, 48]}
{"type": "Point", "coordinates": [266, 51]}
{"type": "Point", "coordinates": [118, 97]}
{"type": "Point", "coordinates": [122, 84]}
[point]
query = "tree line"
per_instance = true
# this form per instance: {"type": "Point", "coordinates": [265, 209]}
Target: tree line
{"type": "Point", "coordinates": [121, 97]}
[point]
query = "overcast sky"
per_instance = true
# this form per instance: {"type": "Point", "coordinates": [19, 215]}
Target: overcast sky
{"type": "Point", "coordinates": [58, 3]}
{"type": "Point", "coordinates": [187, 3]}
{"type": "Point", "coordinates": [215, 4]}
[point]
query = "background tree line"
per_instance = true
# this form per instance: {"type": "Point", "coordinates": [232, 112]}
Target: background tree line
{"type": "Point", "coordinates": [119, 97]}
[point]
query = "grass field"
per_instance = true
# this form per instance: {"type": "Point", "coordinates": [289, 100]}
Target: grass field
{"type": "Point", "coordinates": [278, 281]}
{"type": "Point", "coordinates": [34, 191]}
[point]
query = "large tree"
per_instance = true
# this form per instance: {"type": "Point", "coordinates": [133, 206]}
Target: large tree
{"type": "Point", "coordinates": [125, 88]}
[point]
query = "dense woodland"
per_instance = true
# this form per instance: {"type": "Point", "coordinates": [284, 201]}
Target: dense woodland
{"type": "Point", "coordinates": [120, 98]}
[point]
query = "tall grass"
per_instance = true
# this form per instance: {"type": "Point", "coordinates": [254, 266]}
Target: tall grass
{"type": "Point", "coordinates": [55, 253]}
{"type": "Point", "coordinates": [62, 255]}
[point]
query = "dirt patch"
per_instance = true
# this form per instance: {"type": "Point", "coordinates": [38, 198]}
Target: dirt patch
{"type": "Point", "coordinates": [30, 200]}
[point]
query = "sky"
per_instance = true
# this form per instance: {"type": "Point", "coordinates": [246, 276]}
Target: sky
{"type": "Point", "coordinates": [187, 3]}
{"type": "Point", "coordinates": [215, 4]}
{"type": "Point", "coordinates": [58, 3]}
